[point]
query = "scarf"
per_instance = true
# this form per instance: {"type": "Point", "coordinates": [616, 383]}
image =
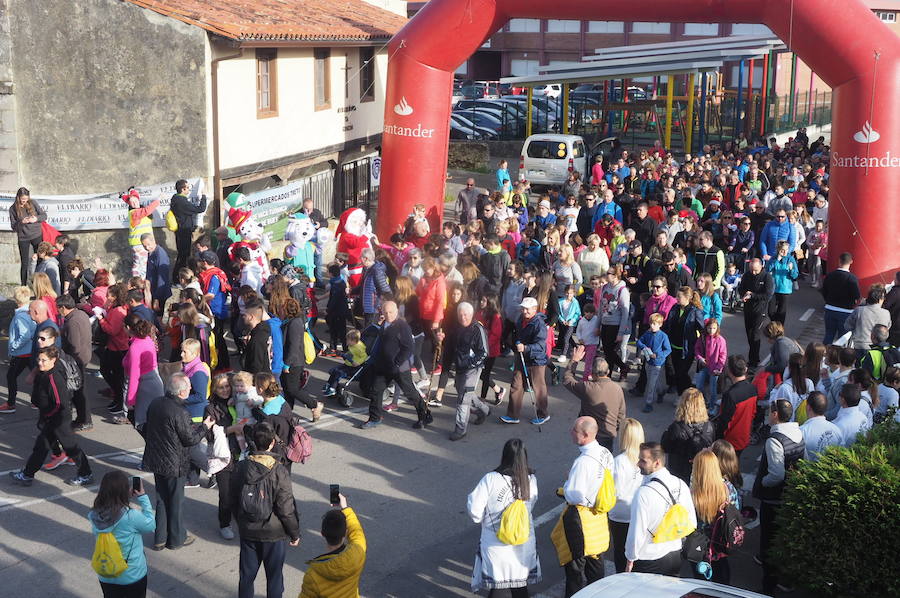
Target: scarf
{"type": "Point", "coordinates": [193, 366]}
{"type": "Point", "coordinates": [207, 275]}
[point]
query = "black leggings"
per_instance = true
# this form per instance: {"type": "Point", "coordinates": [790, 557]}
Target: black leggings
{"type": "Point", "coordinates": [487, 382]}
{"type": "Point", "coordinates": [290, 383]}
{"type": "Point", "coordinates": [779, 307]}
{"type": "Point", "coordinates": [137, 589]}
{"type": "Point", "coordinates": [17, 365]}
{"type": "Point", "coordinates": [509, 593]}
{"type": "Point", "coordinates": [114, 374]}
{"type": "Point", "coordinates": [25, 256]}
{"type": "Point", "coordinates": [223, 484]}
{"type": "Point", "coordinates": [608, 334]}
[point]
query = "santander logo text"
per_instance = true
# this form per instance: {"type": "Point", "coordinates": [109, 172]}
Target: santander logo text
{"type": "Point", "coordinates": [867, 135]}
{"type": "Point", "coordinates": [404, 109]}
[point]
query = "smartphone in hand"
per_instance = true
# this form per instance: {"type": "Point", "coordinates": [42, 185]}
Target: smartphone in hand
{"type": "Point", "coordinates": [136, 484]}
{"type": "Point", "coordinates": [335, 494]}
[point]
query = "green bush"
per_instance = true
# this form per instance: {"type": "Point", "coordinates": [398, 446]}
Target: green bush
{"type": "Point", "coordinates": [841, 516]}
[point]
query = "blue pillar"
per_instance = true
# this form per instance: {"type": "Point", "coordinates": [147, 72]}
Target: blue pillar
{"type": "Point", "coordinates": [702, 132]}
{"type": "Point", "coordinates": [738, 120]}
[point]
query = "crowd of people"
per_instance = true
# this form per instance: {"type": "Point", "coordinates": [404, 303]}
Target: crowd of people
{"type": "Point", "coordinates": [629, 272]}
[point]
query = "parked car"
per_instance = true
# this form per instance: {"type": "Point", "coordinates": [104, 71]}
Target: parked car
{"type": "Point", "coordinates": [551, 91]}
{"type": "Point", "coordinates": [547, 159]}
{"type": "Point", "coordinates": [477, 131]}
{"type": "Point", "coordinates": [649, 585]}
{"type": "Point", "coordinates": [511, 110]}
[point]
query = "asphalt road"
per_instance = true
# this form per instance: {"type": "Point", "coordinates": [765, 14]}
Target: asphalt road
{"type": "Point", "coordinates": [408, 487]}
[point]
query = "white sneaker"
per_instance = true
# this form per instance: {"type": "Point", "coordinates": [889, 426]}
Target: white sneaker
{"type": "Point", "coordinates": [226, 533]}
{"type": "Point", "coordinates": [562, 359]}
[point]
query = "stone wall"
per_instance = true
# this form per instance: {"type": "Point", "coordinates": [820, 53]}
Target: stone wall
{"type": "Point", "coordinates": [95, 96]}
{"type": "Point", "coordinates": [468, 155]}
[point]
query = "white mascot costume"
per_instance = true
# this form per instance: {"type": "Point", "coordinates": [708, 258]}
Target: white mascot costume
{"type": "Point", "coordinates": [253, 238]}
{"type": "Point", "coordinates": [300, 233]}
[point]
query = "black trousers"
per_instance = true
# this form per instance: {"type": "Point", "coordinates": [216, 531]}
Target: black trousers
{"type": "Point", "coordinates": [611, 352]}
{"type": "Point", "coordinates": [405, 382]}
{"type": "Point", "coordinates": [59, 431]}
{"type": "Point", "coordinates": [114, 373]}
{"type": "Point", "coordinates": [682, 370]}
{"type": "Point", "coordinates": [779, 306]}
{"type": "Point", "coordinates": [169, 501]}
{"type": "Point", "coordinates": [26, 247]}
{"type": "Point", "coordinates": [17, 365]}
{"type": "Point", "coordinates": [767, 530]}
{"type": "Point", "coordinates": [509, 593]}
{"type": "Point", "coordinates": [290, 382]}
{"type": "Point", "coordinates": [752, 322]}
{"type": "Point", "coordinates": [268, 554]}
{"type": "Point", "coordinates": [670, 565]}
{"type": "Point", "coordinates": [79, 401]}
{"type": "Point", "coordinates": [618, 533]}
{"type": "Point", "coordinates": [222, 348]}
{"type": "Point", "coordinates": [183, 246]}
{"type": "Point", "coordinates": [487, 383]}
{"type": "Point", "coordinates": [337, 331]}
{"type": "Point", "coordinates": [565, 338]}
{"type": "Point", "coordinates": [223, 484]}
{"type": "Point", "coordinates": [582, 572]}
{"type": "Point", "coordinates": [137, 589]}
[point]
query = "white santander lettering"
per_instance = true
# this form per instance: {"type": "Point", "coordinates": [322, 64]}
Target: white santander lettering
{"type": "Point", "coordinates": [416, 131]}
{"type": "Point", "coordinates": [885, 161]}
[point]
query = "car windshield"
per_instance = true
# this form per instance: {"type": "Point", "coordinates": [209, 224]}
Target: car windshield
{"type": "Point", "coordinates": [548, 149]}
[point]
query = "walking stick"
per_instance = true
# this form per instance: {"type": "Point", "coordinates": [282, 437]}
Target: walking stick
{"type": "Point", "coordinates": [438, 352]}
{"type": "Point", "coordinates": [528, 387]}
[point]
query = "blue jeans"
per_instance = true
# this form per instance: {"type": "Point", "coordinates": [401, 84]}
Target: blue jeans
{"type": "Point", "coordinates": [834, 324]}
{"type": "Point", "coordinates": [653, 375]}
{"type": "Point", "coordinates": [704, 377]}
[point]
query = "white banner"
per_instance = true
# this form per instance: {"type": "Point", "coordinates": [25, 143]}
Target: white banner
{"type": "Point", "coordinates": [103, 211]}
{"type": "Point", "coordinates": [375, 171]}
{"type": "Point", "coordinates": [272, 205]}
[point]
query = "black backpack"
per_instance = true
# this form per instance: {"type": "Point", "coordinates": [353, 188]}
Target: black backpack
{"type": "Point", "coordinates": [257, 500]}
{"type": "Point", "coordinates": [726, 533]}
{"type": "Point", "coordinates": [74, 379]}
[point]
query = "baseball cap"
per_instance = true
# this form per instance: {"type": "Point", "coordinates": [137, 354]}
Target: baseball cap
{"type": "Point", "coordinates": [634, 244]}
{"type": "Point", "coordinates": [528, 302]}
{"type": "Point", "coordinates": [544, 204]}
{"type": "Point", "coordinates": [209, 257]}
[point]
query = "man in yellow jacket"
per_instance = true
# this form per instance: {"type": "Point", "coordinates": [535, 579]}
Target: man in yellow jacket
{"type": "Point", "coordinates": [335, 574]}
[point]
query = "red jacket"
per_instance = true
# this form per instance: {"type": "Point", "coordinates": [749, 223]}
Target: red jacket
{"type": "Point", "coordinates": [494, 330]}
{"type": "Point", "coordinates": [738, 430]}
{"type": "Point", "coordinates": [114, 325]}
{"type": "Point", "coordinates": [432, 294]}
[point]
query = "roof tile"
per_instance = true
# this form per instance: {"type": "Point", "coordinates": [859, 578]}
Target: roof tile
{"type": "Point", "coordinates": [283, 20]}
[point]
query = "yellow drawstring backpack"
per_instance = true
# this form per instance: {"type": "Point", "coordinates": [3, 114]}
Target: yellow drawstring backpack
{"type": "Point", "coordinates": [108, 560]}
{"type": "Point", "coordinates": [675, 524]}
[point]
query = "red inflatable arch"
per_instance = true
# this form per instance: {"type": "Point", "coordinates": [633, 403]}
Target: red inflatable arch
{"type": "Point", "coordinates": [842, 41]}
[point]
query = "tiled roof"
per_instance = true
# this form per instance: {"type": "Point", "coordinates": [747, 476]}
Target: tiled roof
{"type": "Point", "coordinates": [283, 20]}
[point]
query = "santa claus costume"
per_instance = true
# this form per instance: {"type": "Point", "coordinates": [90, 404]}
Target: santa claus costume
{"type": "Point", "coordinates": [352, 239]}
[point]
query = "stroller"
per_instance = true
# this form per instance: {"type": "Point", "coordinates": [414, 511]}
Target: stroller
{"type": "Point", "coordinates": [370, 337]}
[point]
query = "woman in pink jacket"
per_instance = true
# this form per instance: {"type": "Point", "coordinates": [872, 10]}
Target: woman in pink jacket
{"type": "Point", "coordinates": [660, 301]}
{"type": "Point", "coordinates": [144, 383]}
{"type": "Point", "coordinates": [711, 352]}
{"type": "Point", "coordinates": [112, 322]}
{"type": "Point", "coordinates": [432, 292]}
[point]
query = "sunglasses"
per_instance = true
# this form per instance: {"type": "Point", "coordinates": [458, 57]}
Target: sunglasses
{"type": "Point", "coordinates": [657, 287]}
{"type": "Point", "coordinates": [43, 338]}
{"type": "Point", "coordinates": [781, 217]}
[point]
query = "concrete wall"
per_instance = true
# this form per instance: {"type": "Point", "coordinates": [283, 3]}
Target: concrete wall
{"type": "Point", "coordinates": [8, 143]}
{"type": "Point", "coordinates": [107, 94]}
{"type": "Point", "coordinates": [245, 139]}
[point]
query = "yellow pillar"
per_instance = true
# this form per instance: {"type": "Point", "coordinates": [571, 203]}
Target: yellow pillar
{"type": "Point", "coordinates": [689, 126]}
{"type": "Point", "coordinates": [670, 87]}
{"type": "Point", "coordinates": [565, 108]}
{"type": "Point", "coordinates": [528, 95]}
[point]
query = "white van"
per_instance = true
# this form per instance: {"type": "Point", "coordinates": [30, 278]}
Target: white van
{"type": "Point", "coordinates": [548, 159]}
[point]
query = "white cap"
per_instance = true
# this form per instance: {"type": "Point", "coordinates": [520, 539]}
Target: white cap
{"type": "Point", "coordinates": [544, 204]}
{"type": "Point", "coordinates": [529, 302]}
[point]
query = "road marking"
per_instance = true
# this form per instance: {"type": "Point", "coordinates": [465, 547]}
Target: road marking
{"type": "Point", "coordinates": [36, 501]}
{"type": "Point", "coordinates": [131, 455]}
{"type": "Point", "coordinates": [765, 361]}
{"type": "Point", "coordinates": [549, 515]}
{"type": "Point", "coordinates": [807, 314]}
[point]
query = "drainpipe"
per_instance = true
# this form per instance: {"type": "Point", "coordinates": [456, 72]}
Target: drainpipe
{"type": "Point", "coordinates": [217, 171]}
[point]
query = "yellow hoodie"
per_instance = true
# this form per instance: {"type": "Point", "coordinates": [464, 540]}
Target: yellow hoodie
{"type": "Point", "coordinates": [336, 574]}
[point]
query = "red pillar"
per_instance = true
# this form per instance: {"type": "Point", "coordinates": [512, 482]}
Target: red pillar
{"type": "Point", "coordinates": [764, 96]}
{"type": "Point", "coordinates": [749, 103]}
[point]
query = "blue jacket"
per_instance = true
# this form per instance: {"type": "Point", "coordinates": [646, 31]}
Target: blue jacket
{"type": "Point", "coordinates": [782, 275]}
{"type": "Point", "coordinates": [530, 254]}
{"type": "Point", "coordinates": [502, 177]}
{"type": "Point", "coordinates": [648, 186]}
{"type": "Point", "coordinates": [273, 407]}
{"type": "Point", "coordinates": [374, 285]}
{"type": "Point", "coordinates": [159, 274]}
{"type": "Point", "coordinates": [712, 307]}
{"type": "Point", "coordinates": [570, 316]}
{"type": "Point", "coordinates": [521, 215]}
{"type": "Point", "coordinates": [545, 222]}
{"type": "Point", "coordinates": [196, 402]}
{"type": "Point", "coordinates": [127, 530]}
{"type": "Point", "coordinates": [219, 304]}
{"type": "Point", "coordinates": [775, 231]}
{"type": "Point", "coordinates": [611, 208]}
{"type": "Point", "coordinates": [277, 346]}
{"type": "Point", "coordinates": [658, 343]}
{"type": "Point", "coordinates": [21, 333]}
{"type": "Point", "coordinates": [533, 334]}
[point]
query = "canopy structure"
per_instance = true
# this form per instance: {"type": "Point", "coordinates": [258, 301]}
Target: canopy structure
{"type": "Point", "coordinates": [670, 59]}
